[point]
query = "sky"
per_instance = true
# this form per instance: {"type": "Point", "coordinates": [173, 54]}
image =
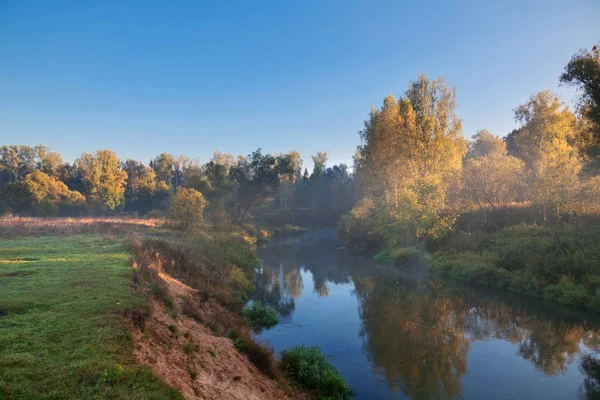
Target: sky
{"type": "Point", "coordinates": [191, 77]}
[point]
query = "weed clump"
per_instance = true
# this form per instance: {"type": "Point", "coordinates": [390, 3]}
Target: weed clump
{"type": "Point", "coordinates": [311, 370]}
{"type": "Point", "coordinates": [262, 315]}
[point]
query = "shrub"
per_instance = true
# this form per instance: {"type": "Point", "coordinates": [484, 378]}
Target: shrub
{"type": "Point", "coordinates": [310, 369]}
{"type": "Point", "coordinates": [400, 255]}
{"type": "Point", "coordinates": [187, 208]}
{"type": "Point", "coordinates": [262, 315]}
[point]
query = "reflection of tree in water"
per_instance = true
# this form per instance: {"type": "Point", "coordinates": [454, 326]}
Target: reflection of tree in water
{"type": "Point", "coordinates": [550, 345]}
{"type": "Point", "coordinates": [421, 337]}
{"type": "Point", "coordinates": [418, 330]}
{"type": "Point", "coordinates": [590, 367]}
{"type": "Point", "coordinates": [416, 338]}
{"type": "Point", "coordinates": [278, 286]}
{"type": "Point", "coordinates": [548, 342]}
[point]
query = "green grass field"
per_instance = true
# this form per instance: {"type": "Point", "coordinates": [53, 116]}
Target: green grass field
{"type": "Point", "coordinates": [62, 328]}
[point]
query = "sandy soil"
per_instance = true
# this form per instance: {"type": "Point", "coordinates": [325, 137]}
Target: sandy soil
{"type": "Point", "coordinates": [186, 355]}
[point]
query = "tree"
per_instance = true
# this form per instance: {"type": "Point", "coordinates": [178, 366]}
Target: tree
{"type": "Point", "coordinates": [319, 160]}
{"type": "Point", "coordinates": [140, 187]}
{"type": "Point", "coordinates": [16, 162]}
{"type": "Point", "coordinates": [16, 198]}
{"type": "Point", "coordinates": [583, 72]}
{"type": "Point", "coordinates": [548, 129]}
{"type": "Point", "coordinates": [187, 208]}
{"type": "Point", "coordinates": [164, 166]}
{"type": "Point", "coordinates": [544, 142]}
{"type": "Point", "coordinates": [44, 187]}
{"type": "Point", "coordinates": [103, 178]}
{"type": "Point", "coordinates": [47, 161]}
{"type": "Point", "coordinates": [494, 180]}
{"type": "Point", "coordinates": [410, 149]}
{"type": "Point", "coordinates": [486, 144]}
{"type": "Point", "coordinates": [257, 176]}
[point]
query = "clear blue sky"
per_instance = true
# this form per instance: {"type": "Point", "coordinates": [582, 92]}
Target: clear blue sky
{"type": "Point", "coordinates": [145, 77]}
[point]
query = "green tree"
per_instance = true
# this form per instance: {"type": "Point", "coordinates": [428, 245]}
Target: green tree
{"type": "Point", "coordinates": [140, 187]}
{"type": "Point", "coordinates": [16, 162]}
{"type": "Point", "coordinates": [257, 178]}
{"type": "Point", "coordinates": [103, 178]}
{"type": "Point", "coordinates": [47, 161]}
{"type": "Point", "coordinates": [16, 198]}
{"type": "Point", "coordinates": [164, 166]}
{"type": "Point", "coordinates": [583, 72]}
{"type": "Point", "coordinates": [187, 208]}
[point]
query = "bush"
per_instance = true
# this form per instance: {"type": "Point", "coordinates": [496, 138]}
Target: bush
{"type": "Point", "coordinates": [400, 255]}
{"type": "Point", "coordinates": [261, 315]}
{"type": "Point", "coordinates": [558, 263]}
{"type": "Point", "coordinates": [310, 369]}
{"type": "Point", "coordinates": [187, 208]}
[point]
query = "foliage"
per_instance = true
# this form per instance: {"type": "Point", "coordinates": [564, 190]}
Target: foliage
{"type": "Point", "coordinates": [45, 187]}
{"type": "Point", "coordinates": [310, 369]}
{"type": "Point", "coordinates": [256, 176]}
{"type": "Point", "coordinates": [187, 208]}
{"type": "Point", "coordinates": [62, 333]}
{"type": "Point", "coordinates": [410, 151]}
{"type": "Point", "coordinates": [16, 198]}
{"type": "Point", "coordinates": [493, 180]}
{"type": "Point", "coordinates": [484, 144]}
{"type": "Point", "coordinates": [558, 263]}
{"type": "Point", "coordinates": [583, 71]}
{"type": "Point", "coordinates": [399, 255]}
{"type": "Point", "coordinates": [103, 178]}
{"type": "Point", "coordinates": [16, 162]}
{"type": "Point", "coordinates": [261, 315]}
{"type": "Point", "coordinates": [359, 225]}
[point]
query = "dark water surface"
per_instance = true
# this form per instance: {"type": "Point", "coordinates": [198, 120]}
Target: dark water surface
{"type": "Point", "coordinates": [400, 333]}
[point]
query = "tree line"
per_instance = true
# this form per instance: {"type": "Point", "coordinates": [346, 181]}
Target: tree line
{"type": "Point", "coordinates": [36, 181]}
{"type": "Point", "coordinates": [415, 173]}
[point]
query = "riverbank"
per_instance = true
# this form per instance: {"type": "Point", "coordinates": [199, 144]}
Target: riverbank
{"type": "Point", "coordinates": [404, 331]}
{"type": "Point", "coordinates": [557, 263]}
{"type": "Point", "coordinates": [64, 306]}
{"type": "Point", "coordinates": [153, 336]}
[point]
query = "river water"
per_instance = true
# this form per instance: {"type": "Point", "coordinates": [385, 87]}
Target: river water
{"type": "Point", "coordinates": [402, 333]}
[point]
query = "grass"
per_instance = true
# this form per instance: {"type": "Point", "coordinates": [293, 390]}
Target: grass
{"type": "Point", "coordinates": [115, 226]}
{"type": "Point", "coordinates": [261, 315]}
{"type": "Point", "coordinates": [555, 263]}
{"type": "Point", "coordinates": [398, 255]}
{"type": "Point", "coordinates": [310, 369]}
{"type": "Point", "coordinates": [63, 334]}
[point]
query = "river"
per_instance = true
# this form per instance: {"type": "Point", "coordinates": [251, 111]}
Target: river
{"type": "Point", "coordinates": [402, 333]}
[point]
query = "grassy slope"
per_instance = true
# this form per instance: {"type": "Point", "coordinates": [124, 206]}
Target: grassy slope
{"type": "Point", "coordinates": [62, 332]}
{"type": "Point", "coordinates": [561, 264]}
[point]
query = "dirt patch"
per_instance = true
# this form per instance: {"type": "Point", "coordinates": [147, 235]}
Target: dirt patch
{"type": "Point", "coordinates": [188, 356]}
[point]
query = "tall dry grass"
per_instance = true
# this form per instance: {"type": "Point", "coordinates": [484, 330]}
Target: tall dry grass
{"type": "Point", "coordinates": [111, 226]}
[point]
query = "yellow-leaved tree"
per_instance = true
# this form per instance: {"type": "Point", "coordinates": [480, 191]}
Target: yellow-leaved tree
{"type": "Point", "coordinates": [49, 194]}
{"type": "Point", "coordinates": [545, 143]}
{"type": "Point", "coordinates": [410, 152]}
{"type": "Point", "coordinates": [103, 178]}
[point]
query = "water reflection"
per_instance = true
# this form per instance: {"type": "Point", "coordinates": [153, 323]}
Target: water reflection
{"type": "Point", "coordinates": [417, 331]}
